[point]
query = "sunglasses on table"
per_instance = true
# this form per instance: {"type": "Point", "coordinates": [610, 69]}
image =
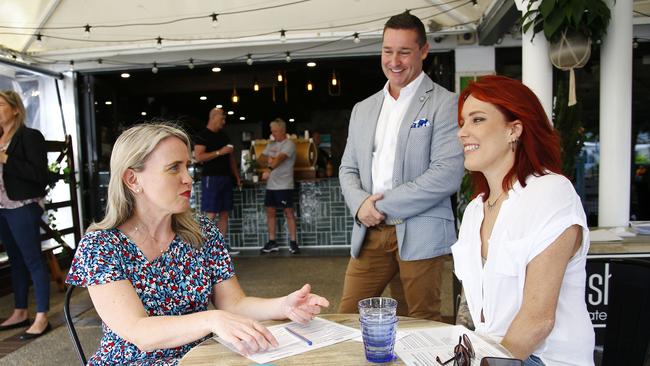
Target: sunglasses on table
{"type": "Point", "coordinates": [463, 353]}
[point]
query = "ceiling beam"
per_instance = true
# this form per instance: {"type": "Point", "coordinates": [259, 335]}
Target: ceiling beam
{"type": "Point", "coordinates": [45, 17]}
{"type": "Point", "coordinates": [32, 69]}
{"type": "Point", "coordinates": [497, 21]}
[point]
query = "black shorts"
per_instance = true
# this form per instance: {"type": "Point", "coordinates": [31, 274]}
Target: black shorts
{"type": "Point", "coordinates": [281, 198]}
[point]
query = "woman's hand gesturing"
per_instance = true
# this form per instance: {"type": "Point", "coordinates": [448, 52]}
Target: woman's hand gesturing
{"type": "Point", "coordinates": [246, 335]}
{"type": "Point", "coordinates": [302, 306]}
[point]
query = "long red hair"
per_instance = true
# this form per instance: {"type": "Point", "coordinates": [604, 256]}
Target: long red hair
{"type": "Point", "coordinates": [538, 150]}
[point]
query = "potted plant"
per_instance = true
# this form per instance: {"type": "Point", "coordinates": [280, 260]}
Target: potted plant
{"type": "Point", "coordinates": [556, 17]}
{"type": "Point", "coordinates": [571, 27]}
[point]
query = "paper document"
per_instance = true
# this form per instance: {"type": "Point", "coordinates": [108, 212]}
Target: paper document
{"type": "Point", "coordinates": [641, 227]}
{"type": "Point", "coordinates": [603, 235]}
{"type": "Point", "coordinates": [319, 332]}
{"type": "Point", "coordinates": [421, 345]}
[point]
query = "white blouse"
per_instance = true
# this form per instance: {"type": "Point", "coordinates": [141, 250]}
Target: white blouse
{"type": "Point", "coordinates": [530, 220]}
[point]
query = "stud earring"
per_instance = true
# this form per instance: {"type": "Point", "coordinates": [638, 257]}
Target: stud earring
{"type": "Point", "coordinates": [137, 190]}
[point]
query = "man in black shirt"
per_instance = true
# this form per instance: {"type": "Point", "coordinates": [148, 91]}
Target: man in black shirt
{"type": "Point", "coordinates": [214, 150]}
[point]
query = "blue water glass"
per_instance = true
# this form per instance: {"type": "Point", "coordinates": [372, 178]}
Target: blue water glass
{"type": "Point", "coordinates": [379, 339]}
{"type": "Point", "coordinates": [377, 308]}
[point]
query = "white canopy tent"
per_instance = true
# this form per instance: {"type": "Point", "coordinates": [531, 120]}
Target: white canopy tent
{"type": "Point", "coordinates": [127, 34]}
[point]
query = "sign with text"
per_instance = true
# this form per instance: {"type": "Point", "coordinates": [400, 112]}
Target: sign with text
{"type": "Point", "coordinates": [596, 295]}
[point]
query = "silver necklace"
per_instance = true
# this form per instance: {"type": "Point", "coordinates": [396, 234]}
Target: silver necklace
{"type": "Point", "coordinates": [149, 237]}
{"type": "Point", "coordinates": [490, 206]}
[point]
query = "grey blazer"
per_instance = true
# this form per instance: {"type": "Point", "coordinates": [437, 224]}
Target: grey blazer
{"type": "Point", "coordinates": [428, 170]}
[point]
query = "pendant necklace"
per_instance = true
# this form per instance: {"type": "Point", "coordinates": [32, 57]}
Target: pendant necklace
{"type": "Point", "coordinates": [149, 237]}
{"type": "Point", "coordinates": [490, 206]}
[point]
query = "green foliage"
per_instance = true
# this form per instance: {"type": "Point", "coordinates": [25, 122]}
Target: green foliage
{"type": "Point", "coordinates": [589, 17]}
{"type": "Point", "coordinates": [568, 123]}
{"type": "Point", "coordinates": [640, 159]}
{"type": "Point", "coordinates": [464, 195]}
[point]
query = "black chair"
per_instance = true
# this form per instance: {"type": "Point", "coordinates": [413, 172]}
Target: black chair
{"type": "Point", "coordinates": [70, 325]}
{"type": "Point", "coordinates": [627, 335]}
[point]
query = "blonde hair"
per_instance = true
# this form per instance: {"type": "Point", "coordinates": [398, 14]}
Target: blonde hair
{"type": "Point", "coordinates": [131, 151]}
{"type": "Point", "coordinates": [16, 102]}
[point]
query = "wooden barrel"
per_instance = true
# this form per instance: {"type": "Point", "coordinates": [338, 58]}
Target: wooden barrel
{"type": "Point", "coordinates": [306, 154]}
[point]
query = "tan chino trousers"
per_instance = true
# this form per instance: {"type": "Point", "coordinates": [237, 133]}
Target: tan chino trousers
{"type": "Point", "coordinates": [379, 262]}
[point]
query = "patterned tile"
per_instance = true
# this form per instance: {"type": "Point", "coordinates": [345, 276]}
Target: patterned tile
{"type": "Point", "coordinates": [322, 218]}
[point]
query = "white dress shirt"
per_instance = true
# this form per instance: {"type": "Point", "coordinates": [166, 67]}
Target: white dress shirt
{"type": "Point", "coordinates": [383, 152]}
{"type": "Point", "coordinates": [529, 221]}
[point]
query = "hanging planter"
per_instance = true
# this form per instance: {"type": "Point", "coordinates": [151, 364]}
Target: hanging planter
{"type": "Point", "coordinates": [571, 52]}
{"type": "Point", "coordinates": [571, 27]}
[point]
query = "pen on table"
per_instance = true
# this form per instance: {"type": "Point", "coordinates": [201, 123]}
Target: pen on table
{"type": "Point", "coordinates": [298, 335]}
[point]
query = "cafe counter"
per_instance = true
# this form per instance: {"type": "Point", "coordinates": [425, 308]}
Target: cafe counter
{"type": "Point", "coordinates": [322, 218]}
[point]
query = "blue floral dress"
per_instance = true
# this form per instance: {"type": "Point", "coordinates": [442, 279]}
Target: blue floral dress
{"type": "Point", "coordinates": [178, 282]}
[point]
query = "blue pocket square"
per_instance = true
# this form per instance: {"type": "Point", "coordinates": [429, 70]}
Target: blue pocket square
{"type": "Point", "coordinates": [421, 123]}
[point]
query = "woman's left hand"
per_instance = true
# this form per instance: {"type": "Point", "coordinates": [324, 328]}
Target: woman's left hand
{"type": "Point", "coordinates": [302, 306]}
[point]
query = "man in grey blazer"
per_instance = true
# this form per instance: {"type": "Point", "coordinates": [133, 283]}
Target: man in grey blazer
{"type": "Point", "coordinates": [401, 164]}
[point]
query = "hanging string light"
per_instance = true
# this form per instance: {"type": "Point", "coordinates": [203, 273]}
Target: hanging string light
{"type": "Point", "coordinates": [280, 78]}
{"type": "Point", "coordinates": [356, 38]}
{"type": "Point", "coordinates": [288, 57]}
{"type": "Point", "coordinates": [214, 20]}
{"type": "Point", "coordinates": [87, 31]}
{"type": "Point", "coordinates": [235, 97]}
{"type": "Point", "coordinates": [159, 42]}
{"type": "Point", "coordinates": [71, 64]}
{"type": "Point", "coordinates": [334, 86]}
{"type": "Point", "coordinates": [154, 69]}
{"type": "Point", "coordinates": [249, 59]}
{"type": "Point", "coordinates": [310, 86]}
{"type": "Point", "coordinates": [39, 40]}
{"type": "Point", "coordinates": [283, 36]}
{"type": "Point", "coordinates": [256, 85]}
{"type": "Point", "coordinates": [190, 65]}
{"type": "Point", "coordinates": [475, 3]}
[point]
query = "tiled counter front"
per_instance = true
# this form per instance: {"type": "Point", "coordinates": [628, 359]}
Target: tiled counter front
{"type": "Point", "coordinates": [322, 218]}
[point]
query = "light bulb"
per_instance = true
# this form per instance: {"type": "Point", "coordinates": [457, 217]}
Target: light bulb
{"type": "Point", "coordinates": [159, 43]}
{"type": "Point", "coordinates": [288, 57]}
{"type": "Point", "coordinates": [249, 59]}
{"type": "Point", "coordinates": [283, 36]}
{"type": "Point", "coordinates": [280, 78]}
{"type": "Point", "coordinates": [87, 31]}
{"type": "Point", "coordinates": [214, 20]}
{"type": "Point", "coordinates": [125, 75]}
{"type": "Point", "coordinates": [310, 86]}
{"type": "Point", "coordinates": [256, 86]}
{"type": "Point", "coordinates": [356, 38]}
{"type": "Point", "coordinates": [71, 65]}
{"type": "Point", "coordinates": [154, 69]}
{"type": "Point", "coordinates": [191, 64]}
{"type": "Point", "coordinates": [216, 69]}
